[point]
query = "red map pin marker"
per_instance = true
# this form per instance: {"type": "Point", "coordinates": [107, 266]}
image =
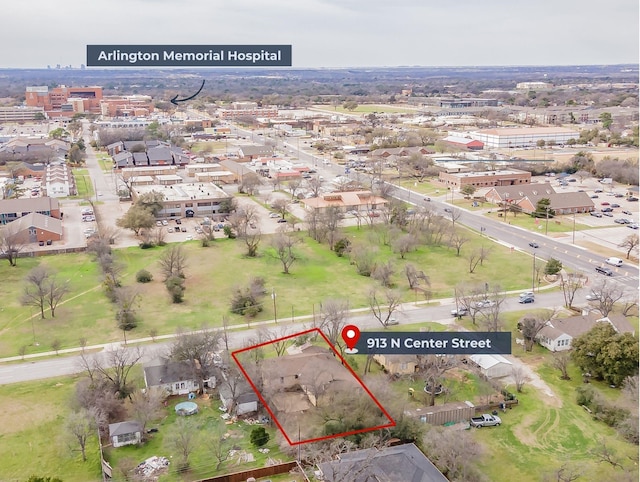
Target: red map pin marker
{"type": "Point", "coordinates": [351, 335]}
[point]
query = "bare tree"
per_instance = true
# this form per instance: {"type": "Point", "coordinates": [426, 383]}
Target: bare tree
{"type": "Point", "coordinates": [183, 439]}
{"type": "Point", "coordinates": [332, 319]}
{"type": "Point", "coordinates": [415, 277]}
{"type": "Point", "coordinates": [603, 453]}
{"type": "Point", "coordinates": [454, 214]}
{"type": "Point", "coordinates": [454, 453]}
{"type": "Point", "coordinates": [218, 445]}
{"type": "Point", "coordinates": [197, 349]}
{"type": "Point", "coordinates": [630, 243]}
{"type": "Point", "coordinates": [329, 224]}
{"type": "Point", "coordinates": [173, 262]}
{"type": "Point", "coordinates": [384, 305]}
{"type": "Point", "coordinates": [571, 283]}
{"type": "Point", "coordinates": [363, 257]}
{"type": "Point", "coordinates": [564, 473]}
{"type": "Point", "coordinates": [36, 291]}
{"type": "Point", "coordinates": [275, 336]}
{"type": "Point", "coordinates": [283, 244]}
{"type": "Point", "coordinates": [12, 242]}
{"type": "Point", "coordinates": [531, 324]}
{"type": "Point", "coordinates": [127, 300]}
{"type": "Point", "coordinates": [281, 206]}
{"type": "Point", "coordinates": [456, 241]}
{"type": "Point", "coordinates": [432, 369]}
{"type": "Point", "coordinates": [115, 367]}
{"type": "Point", "coordinates": [384, 272]}
{"type": "Point", "coordinates": [404, 244]}
{"type": "Point", "coordinates": [630, 388]}
{"type": "Point", "coordinates": [80, 426]}
{"type": "Point", "coordinates": [315, 186]}
{"type": "Point", "coordinates": [469, 297]}
{"type": "Point", "coordinates": [609, 294]}
{"type": "Point", "coordinates": [491, 308]}
{"type": "Point", "coordinates": [561, 362]}
{"type": "Point", "coordinates": [147, 405]}
{"type": "Point", "coordinates": [519, 377]}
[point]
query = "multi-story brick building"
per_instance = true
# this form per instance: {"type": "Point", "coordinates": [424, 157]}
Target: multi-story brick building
{"type": "Point", "coordinates": [64, 101]}
{"type": "Point", "coordinates": [504, 177]}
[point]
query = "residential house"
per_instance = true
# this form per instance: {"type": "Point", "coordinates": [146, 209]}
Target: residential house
{"type": "Point", "coordinates": [400, 151]}
{"type": "Point", "coordinates": [249, 153]}
{"type": "Point", "coordinates": [492, 366]}
{"type": "Point", "coordinates": [58, 181]}
{"type": "Point", "coordinates": [397, 364]}
{"type": "Point", "coordinates": [176, 378]}
{"type": "Point", "coordinates": [400, 463]}
{"type": "Point", "coordinates": [125, 433]}
{"type": "Point", "coordinates": [558, 334]}
{"type": "Point", "coordinates": [293, 382]}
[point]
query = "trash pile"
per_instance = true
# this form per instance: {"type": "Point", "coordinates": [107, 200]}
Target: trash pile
{"type": "Point", "coordinates": [152, 467]}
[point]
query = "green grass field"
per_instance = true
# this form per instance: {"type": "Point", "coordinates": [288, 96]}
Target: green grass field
{"type": "Point", "coordinates": [212, 275]}
{"type": "Point", "coordinates": [83, 183]}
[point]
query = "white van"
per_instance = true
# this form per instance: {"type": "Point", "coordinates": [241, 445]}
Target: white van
{"type": "Point", "coordinates": [613, 261]}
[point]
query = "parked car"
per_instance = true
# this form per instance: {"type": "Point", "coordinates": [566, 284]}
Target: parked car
{"type": "Point", "coordinates": [595, 214]}
{"type": "Point", "coordinates": [462, 311]}
{"type": "Point", "coordinates": [282, 220]}
{"type": "Point", "coordinates": [533, 244]}
{"type": "Point", "coordinates": [527, 299]}
{"type": "Point", "coordinates": [427, 199]}
{"type": "Point", "coordinates": [598, 190]}
{"type": "Point", "coordinates": [158, 223]}
{"type": "Point", "coordinates": [183, 229]}
{"type": "Point", "coordinates": [178, 221]}
{"type": "Point", "coordinates": [606, 210]}
{"type": "Point", "coordinates": [274, 215]}
{"type": "Point", "coordinates": [633, 225]}
{"type": "Point", "coordinates": [485, 420]}
{"type": "Point", "coordinates": [615, 205]}
{"type": "Point", "coordinates": [165, 222]}
{"type": "Point", "coordinates": [605, 203]}
{"type": "Point", "coordinates": [632, 199]}
{"type": "Point", "coordinates": [614, 261]}
{"type": "Point", "coordinates": [607, 214]}
{"type": "Point", "coordinates": [622, 221]}
{"type": "Point", "coordinates": [594, 196]}
{"type": "Point", "coordinates": [447, 210]}
{"type": "Point", "coordinates": [604, 271]}
{"type": "Point", "coordinates": [619, 195]}
{"type": "Point", "coordinates": [628, 213]}
{"type": "Point", "coordinates": [485, 304]}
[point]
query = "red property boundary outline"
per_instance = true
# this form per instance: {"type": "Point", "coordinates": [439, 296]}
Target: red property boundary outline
{"type": "Point", "coordinates": [391, 423]}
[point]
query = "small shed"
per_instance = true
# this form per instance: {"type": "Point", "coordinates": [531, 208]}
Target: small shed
{"type": "Point", "coordinates": [125, 433]}
{"type": "Point", "coordinates": [492, 366]}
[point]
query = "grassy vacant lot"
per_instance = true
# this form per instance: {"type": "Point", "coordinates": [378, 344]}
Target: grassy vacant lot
{"type": "Point", "coordinates": [558, 224]}
{"type": "Point", "coordinates": [83, 183]}
{"type": "Point", "coordinates": [212, 275]}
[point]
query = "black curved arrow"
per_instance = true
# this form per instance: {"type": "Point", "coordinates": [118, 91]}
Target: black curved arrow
{"type": "Point", "coordinates": [175, 100]}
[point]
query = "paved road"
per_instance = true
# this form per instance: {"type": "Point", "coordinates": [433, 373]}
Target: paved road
{"type": "Point", "coordinates": [12, 370]}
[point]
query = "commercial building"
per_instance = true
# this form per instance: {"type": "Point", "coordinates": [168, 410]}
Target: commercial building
{"type": "Point", "coordinates": [361, 201]}
{"type": "Point", "coordinates": [12, 209]}
{"type": "Point", "coordinates": [21, 114]}
{"type": "Point", "coordinates": [126, 106]}
{"type": "Point", "coordinates": [509, 137]}
{"type": "Point", "coordinates": [64, 101]}
{"type": "Point", "coordinates": [247, 109]}
{"type": "Point", "coordinates": [504, 177]}
{"type": "Point", "coordinates": [185, 200]}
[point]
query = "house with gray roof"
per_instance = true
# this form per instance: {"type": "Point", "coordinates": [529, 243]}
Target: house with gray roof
{"type": "Point", "coordinates": [125, 433]}
{"type": "Point", "coordinates": [401, 463]}
{"type": "Point", "coordinates": [175, 377]}
{"type": "Point", "coordinates": [559, 333]}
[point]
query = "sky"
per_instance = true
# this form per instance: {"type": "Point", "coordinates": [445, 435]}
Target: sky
{"type": "Point", "coordinates": [333, 33]}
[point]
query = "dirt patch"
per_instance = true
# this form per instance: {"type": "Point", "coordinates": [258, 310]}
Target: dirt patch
{"type": "Point", "coordinates": [18, 415]}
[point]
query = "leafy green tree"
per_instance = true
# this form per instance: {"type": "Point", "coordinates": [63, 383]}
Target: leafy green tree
{"type": "Point", "coordinates": [58, 133]}
{"type": "Point", "coordinates": [543, 209]}
{"type": "Point", "coordinates": [468, 190]}
{"type": "Point", "coordinates": [136, 219]}
{"type": "Point", "coordinates": [175, 287]}
{"type": "Point", "coordinates": [151, 201]}
{"type": "Point", "coordinates": [606, 119]}
{"type": "Point", "coordinates": [553, 266]}
{"type": "Point", "coordinates": [259, 437]}
{"type": "Point", "coordinates": [606, 354]}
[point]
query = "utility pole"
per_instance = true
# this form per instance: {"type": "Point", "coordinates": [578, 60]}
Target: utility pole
{"type": "Point", "coordinates": [533, 274]}
{"type": "Point", "coordinates": [275, 310]}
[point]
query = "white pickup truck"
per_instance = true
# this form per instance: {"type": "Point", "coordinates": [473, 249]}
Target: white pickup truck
{"type": "Point", "coordinates": [485, 420]}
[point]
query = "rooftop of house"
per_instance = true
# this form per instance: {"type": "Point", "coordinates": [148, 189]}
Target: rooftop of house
{"type": "Point", "coordinates": [160, 371]}
{"type": "Point", "coordinates": [123, 428]}
{"type": "Point", "coordinates": [401, 463]}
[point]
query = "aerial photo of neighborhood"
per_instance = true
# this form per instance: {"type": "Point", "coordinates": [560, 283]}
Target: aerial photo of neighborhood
{"type": "Point", "coordinates": [313, 272]}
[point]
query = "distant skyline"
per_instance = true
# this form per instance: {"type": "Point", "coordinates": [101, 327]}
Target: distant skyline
{"type": "Point", "coordinates": [334, 33]}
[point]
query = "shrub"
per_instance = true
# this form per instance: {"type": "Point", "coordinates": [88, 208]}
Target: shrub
{"type": "Point", "coordinates": [259, 437]}
{"type": "Point", "coordinates": [553, 266]}
{"type": "Point", "coordinates": [175, 287]}
{"type": "Point", "coordinates": [341, 247]}
{"type": "Point", "coordinates": [143, 276]}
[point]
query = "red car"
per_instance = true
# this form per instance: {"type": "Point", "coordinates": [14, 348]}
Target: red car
{"type": "Point", "coordinates": [604, 203]}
